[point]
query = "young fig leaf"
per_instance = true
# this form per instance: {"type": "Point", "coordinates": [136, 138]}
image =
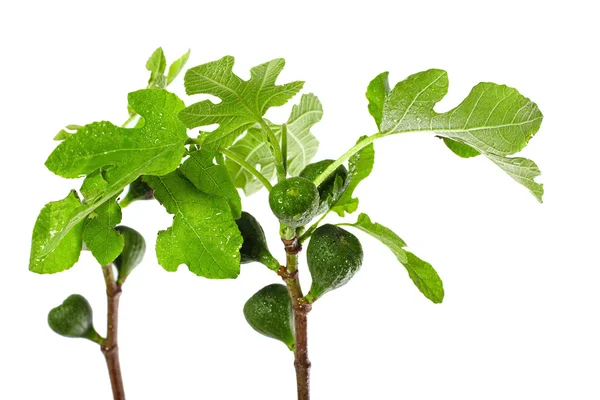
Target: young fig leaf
{"type": "Point", "coordinates": [327, 189]}
{"type": "Point", "coordinates": [360, 166]}
{"type": "Point", "coordinates": [53, 218]}
{"type": "Point", "coordinates": [425, 278]}
{"type": "Point", "coordinates": [211, 178]}
{"type": "Point", "coordinates": [269, 312]}
{"type": "Point", "coordinates": [294, 201]}
{"type": "Point", "coordinates": [255, 247]}
{"type": "Point", "coordinates": [302, 145]}
{"type": "Point", "coordinates": [156, 64]}
{"type": "Point", "coordinates": [204, 235]}
{"type": "Point", "coordinates": [177, 67]}
{"type": "Point", "coordinates": [73, 318]}
{"type": "Point", "coordinates": [333, 255]}
{"type": "Point", "coordinates": [376, 93]}
{"type": "Point", "coordinates": [133, 251]}
{"type": "Point", "coordinates": [243, 103]}
{"type": "Point", "coordinates": [494, 120]}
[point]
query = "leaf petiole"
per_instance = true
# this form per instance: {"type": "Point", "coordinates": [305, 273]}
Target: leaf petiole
{"type": "Point", "coordinates": [244, 164]}
{"type": "Point", "coordinates": [275, 150]}
{"type": "Point", "coordinates": [355, 149]}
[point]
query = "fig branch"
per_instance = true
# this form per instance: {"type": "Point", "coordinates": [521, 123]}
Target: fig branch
{"type": "Point", "coordinates": [300, 309]}
{"type": "Point", "coordinates": [110, 347]}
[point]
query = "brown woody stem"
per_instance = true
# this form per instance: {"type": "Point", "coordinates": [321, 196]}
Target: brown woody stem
{"type": "Point", "coordinates": [300, 308]}
{"type": "Point", "coordinates": [110, 346]}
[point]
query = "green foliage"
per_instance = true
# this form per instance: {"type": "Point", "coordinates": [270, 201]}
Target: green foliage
{"type": "Point", "coordinates": [123, 155]}
{"type": "Point", "coordinates": [177, 66]}
{"type": "Point", "coordinates": [269, 312]}
{"type": "Point", "coordinates": [99, 234]}
{"type": "Point", "coordinates": [133, 252]}
{"type": "Point", "coordinates": [212, 178]}
{"type": "Point", "coordinates": [327, 189]}
{"type": "Point", "coordinates": [294, 201]}
{"type": "Point", "coordinates": [55, 217]}
{"type": "Point", "coordinates": [422, 273]}
{"type": "Point", "coordinates": [360, 166]}
{"type": "Point", "coordinates": [494, 120]}
{"type": "Point", "coordinates": [243, 103]}
{"type": "Point", "coordinates": [460, 149]}
{"type": "Point", "coordinates": [156, 64]}
{"type": "Point", "coordinates": [73, 318]}
{"type": "Point", "coordinates": [254, 248]}
{"type": "Point", "coordinates": [203, 236]}
{"type": "Point", "coordinates": [210, 233]}
{"type": "Point", "coordinates": [302, 145]}
{"type": "Point", "coordinates": [334, 255]}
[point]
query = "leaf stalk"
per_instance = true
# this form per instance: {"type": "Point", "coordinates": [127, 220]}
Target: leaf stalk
{"type": "Point", "coordinates": [353, 150]}
{"type": "Point", "coordinates": [244, 164]}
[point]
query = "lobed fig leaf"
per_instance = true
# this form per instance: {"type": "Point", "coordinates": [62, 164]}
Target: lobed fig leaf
{"type": "Point", "coordinates": [243, 103]}
{"type": "Point", "coordinates": [203, 236]}
{"type": "Point", "coordinates": [269, 312]}
{"type": "Point", "coordinates": [294, 201]}
{"type": "Point", "coordinates": [254, 248]}
{"type": "Point", "coordinates": [494, 120]}
{"type": "Point", "coordinates": [333, 255]}
{"type": "Point", "coordinates": [73, 318]}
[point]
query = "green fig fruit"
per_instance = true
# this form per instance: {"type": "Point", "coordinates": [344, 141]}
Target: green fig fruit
{"type": "Point", "coordinates": [294, 201]}
{"type": "Point", "coordinates": [138, 190]}
{"type": "Point", "coordinates": [269, 312]}
{"type": "Point", "coordinates": [333, 255]}
{"type": "Point", "coordinates": [133, 251]}
{"type": "Point", "coordinates": [254, 248]}
{"type": "Point", "coordinates": [326, 188]}
{"type": "Point", "coordinates": [73, 318]}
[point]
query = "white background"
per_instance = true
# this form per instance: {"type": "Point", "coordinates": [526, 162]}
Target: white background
{"type": "Point", "coordinates": [520, 317]}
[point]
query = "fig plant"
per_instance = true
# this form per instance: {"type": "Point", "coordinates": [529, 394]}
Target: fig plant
{"type": "Point", "coordinates": [196, 178]}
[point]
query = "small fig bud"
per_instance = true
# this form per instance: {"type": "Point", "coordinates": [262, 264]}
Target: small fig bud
{"type": "Point", "coordinates": [133, 251]}
{"type": "Point", "coordinates": [73, 318]}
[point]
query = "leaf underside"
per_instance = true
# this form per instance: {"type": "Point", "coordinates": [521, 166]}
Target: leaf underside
{"type": "Point", "coordinates": [494, 120]}
{"type": "Point", "coordinates": [302, 146]}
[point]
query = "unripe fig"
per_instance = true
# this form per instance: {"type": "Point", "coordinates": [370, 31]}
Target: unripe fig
{"type": "Point", "coordinates": [73, 318]}
{"type": "Point", "coordinates": [312, 171]}
{"type": "Point", "coordinates": [138, 190]}
{"type": "Point", "coordinates": [254, 248]}
{"type": "Point", "coordinates": [294, 201]}
{"type": "Point", "coordinates": [133, 251]}
{"type": "Point", "coordinates": [333, 255]}
{"type": "Point", "coordinates": [269, 312]}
